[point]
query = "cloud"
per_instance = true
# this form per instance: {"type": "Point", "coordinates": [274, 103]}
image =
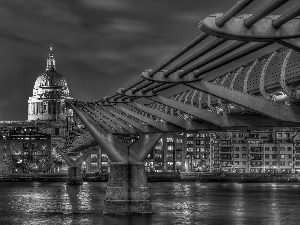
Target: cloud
{"type": "Point", "coordinates": [99, 45]}
{"type": "Point", "coordinates": [107, 4]}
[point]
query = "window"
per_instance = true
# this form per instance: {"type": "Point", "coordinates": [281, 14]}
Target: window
{"type": "Point", "coordinates": [236, 156]}
{"type": "Point", "coordinates": [266, 156]}
{"type": "Point", "coordinates": [243, 148]}
{"type": "Point", "coordinates": [243, 156]}
{"type": "Point", "coordinates": [178, 140]}
{"type": "Point", "coordinates": [158, 147]}
{"type": "Point", "coordinates": [274, 163]}
{"type": "Point", "coordinates": [274, 149]}
{"type": "Point", "coordinates": [237, 149]}
{"type": "Point", "coordinates": [244, 162]}
{"type": "Point", "coordinates": [289, 148]}
{"type": "Point", "coordinates": [282, 149]}
{"type": "Point", "coordinates": [233, 135]}
{"type": "Point", "coordinates": [287, 135]}
{"type": "Point", "coordinates": [241, 135]}
{"type": "Point", "coordinates": [282, 156]}
{"type": "Point", "coordinates": [169, 155]}
{"type": "Point", "coordinates": [282, 163]}
{"type": "Point", "coordinates": [266, 163]}
{"type": "Point", "coordinates": [158, 156]}
{"type": "Point", "coordinates": [169, 139]}
{"type": "Point", "coordinates": [170, 148]}
{"type": "Point", "coordinates": [237, 163]}
{"type": "Point", "coordinates": [274, 156]}
{"type": "Point", "coordinates": [279, 134]}
{"type": "Point", "coordinates": [197, 142]}
{"type": "Point", "coordinates": [267, 149]}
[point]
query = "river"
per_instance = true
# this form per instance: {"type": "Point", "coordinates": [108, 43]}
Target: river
{"type": "Point", "coordinates": [173, 203]}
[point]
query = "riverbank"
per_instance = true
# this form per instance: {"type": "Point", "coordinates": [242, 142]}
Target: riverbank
{"type": "Point", "coordinates": [161, 177]}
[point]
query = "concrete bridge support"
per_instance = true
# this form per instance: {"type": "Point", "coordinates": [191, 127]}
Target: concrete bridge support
{"type": "Point", "coordinates": [74, 171]}
{"type": "Point", "coordinates": [127, 190]}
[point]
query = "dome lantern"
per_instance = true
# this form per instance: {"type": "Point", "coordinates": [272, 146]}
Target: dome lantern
{"type": "Point", "coordinates": [50, 60]}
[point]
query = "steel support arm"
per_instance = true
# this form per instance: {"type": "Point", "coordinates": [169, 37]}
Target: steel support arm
{"type": "Point", "coordinates": [67, 158]}
{"type": "Point", "coordinates": [137, 125]}
{"type": "Point", "coordinates": [108, 123]}
{"type": "Point", "coordinates": [186, 124]}
{"type": "Point", "coordinates": [91, 143]}
{"type": "Point", "coordinates": [254, 121]}
{"type": "Point", "coordinates": [144, 145]}
{"type": "Point", "coordinates": [115, 119]}
{"type": "Point", "coordinates": [84, 155]}
{"type": "Point", "coordinates": [276, 110]}
{"type": "Point", "coordinates": [194, 111]}
{"type": "Point", "coordinates": [161, 126]}
{"type": "Point", "coordinates": [115, 149]}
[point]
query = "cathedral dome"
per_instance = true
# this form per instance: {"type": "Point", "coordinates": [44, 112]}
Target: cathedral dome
{"type": "Point", "coordinates": [49, 94]}
{"type": "Point", "coordinates": [50, 84]}
{"type": "Point", "coordinates": [50, 79]}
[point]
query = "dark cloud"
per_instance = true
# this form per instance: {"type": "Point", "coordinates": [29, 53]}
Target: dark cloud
{"type": "Point", "coordinates": [99, 45]}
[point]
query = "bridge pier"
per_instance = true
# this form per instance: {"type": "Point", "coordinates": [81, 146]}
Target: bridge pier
{"type": "Point", "coordinates": [74, 170]}
{"type": "Point", "coordinates": [127, 190]}
{"type": "Point", "coordinates": [74, 175]}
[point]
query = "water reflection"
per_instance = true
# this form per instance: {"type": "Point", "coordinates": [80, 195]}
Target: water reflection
{"type": "Point", "coordinates": [78, 197]}
{"type": "Point", "coordinates": [173, 203]}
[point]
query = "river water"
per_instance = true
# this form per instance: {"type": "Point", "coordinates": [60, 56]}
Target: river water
{"type": "Point", "coordinates": [173, 203]}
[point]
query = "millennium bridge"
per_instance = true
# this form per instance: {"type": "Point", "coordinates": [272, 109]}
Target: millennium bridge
{"type": "Point", "coordinates": [240, 73]}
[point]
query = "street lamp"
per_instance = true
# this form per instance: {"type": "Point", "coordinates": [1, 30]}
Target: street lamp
{"type": "Point", "coordinates": [84, 167]}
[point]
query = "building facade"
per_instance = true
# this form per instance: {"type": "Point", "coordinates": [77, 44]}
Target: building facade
{"type": "Point", "coordinates": [24, 148]}
{"type": "Point", "coordinates": [231, 151]}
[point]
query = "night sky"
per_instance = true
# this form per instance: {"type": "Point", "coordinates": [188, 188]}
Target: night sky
{"type": "Point", "coordinates": [99, 45]}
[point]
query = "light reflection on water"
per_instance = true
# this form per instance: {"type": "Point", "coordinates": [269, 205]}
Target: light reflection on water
{"type": "Point", "coordinates": [173, 203]}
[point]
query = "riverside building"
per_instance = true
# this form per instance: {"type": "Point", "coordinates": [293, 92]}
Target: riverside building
{"type": "Point", "coordinates": [235, 151]}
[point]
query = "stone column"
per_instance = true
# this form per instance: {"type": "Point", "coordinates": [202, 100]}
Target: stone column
{"type": "Point", "coordinates": [127, 190]}
{"type": "Point", "coordinates": [74, 175]}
